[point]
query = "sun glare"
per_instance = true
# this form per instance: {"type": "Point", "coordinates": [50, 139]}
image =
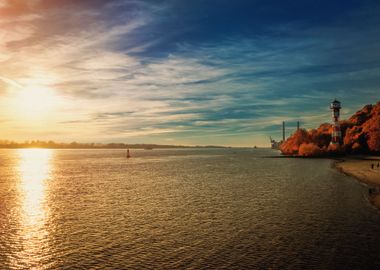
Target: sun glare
{"type": "Point", "coordinates": [34, 103]}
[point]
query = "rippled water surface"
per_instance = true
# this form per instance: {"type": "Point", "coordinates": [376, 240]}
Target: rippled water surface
{"type": "Point", "coordinates": [185, 209]}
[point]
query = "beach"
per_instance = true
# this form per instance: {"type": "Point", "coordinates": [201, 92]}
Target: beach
{"type": "Point", "coordinates": [361, 169]}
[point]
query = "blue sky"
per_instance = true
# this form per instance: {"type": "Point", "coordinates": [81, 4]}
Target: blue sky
{"type": "Point", "coordinates": [186, 72]}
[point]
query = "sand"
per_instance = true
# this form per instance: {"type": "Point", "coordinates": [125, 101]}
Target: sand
{"type": "Point", "coordinates": [360, 168]}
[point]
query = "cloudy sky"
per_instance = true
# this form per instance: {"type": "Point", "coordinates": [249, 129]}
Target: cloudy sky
{"type": "Point", "coordinates": [182, 72]}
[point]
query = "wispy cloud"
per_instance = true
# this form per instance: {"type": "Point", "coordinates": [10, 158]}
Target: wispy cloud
{"type": "Point", "coordinates": [11, 82]}
{"type": "Point", "coordinates": [133, 71]}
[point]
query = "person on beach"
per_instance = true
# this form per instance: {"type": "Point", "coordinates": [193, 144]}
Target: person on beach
{"type": "Point", "coordinates": [372, 166]}
{"type": "Point", "coordinates": [378, 165]}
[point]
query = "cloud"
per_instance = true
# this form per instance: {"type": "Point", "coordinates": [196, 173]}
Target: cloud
{"type": "Point", "coordinates": [11, 82]}
{"type": "Point", "coordinates": [124, 75]}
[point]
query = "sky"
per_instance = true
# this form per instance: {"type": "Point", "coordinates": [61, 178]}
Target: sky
{"type": "Point", "coordinates": [211, 72]}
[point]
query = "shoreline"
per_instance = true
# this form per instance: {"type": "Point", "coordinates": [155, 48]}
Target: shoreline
{"type": "Point", "coordinates": [360, 168]}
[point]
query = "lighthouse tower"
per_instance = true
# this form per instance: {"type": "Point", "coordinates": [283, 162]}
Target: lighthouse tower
{"type": "Point", "coordinates": [336, 136]}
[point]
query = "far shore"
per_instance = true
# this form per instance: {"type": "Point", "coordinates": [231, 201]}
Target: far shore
{"type": "Point", "coordinates": [108, 146]}
{"type": "Point", "coordinates": [361, 169]}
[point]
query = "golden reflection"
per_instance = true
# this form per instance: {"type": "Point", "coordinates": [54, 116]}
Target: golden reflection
{"type": "Point", "coordinates": [34, 171]}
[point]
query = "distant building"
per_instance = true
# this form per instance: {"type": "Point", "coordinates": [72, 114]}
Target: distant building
{"type": "Point", "coordinates": [275, 144]}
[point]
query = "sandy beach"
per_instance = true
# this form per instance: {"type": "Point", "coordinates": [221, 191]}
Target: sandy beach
{"type": "Point", "coordinates": [361, 169]}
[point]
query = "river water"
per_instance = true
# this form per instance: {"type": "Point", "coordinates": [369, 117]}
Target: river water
{"type": "Point", "coordinates": [181, 209]}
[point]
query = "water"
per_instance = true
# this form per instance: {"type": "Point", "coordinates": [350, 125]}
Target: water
{"type": "Point", "coordinates": [181, 209]}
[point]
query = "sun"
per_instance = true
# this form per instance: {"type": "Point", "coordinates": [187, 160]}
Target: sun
{"type": "Point", "coordinates": [34, 102]}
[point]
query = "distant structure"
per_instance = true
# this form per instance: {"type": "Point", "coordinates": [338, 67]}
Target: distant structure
{"type": "Point", "coordinates": [275, 144]}
{"type": "Point", "coordinates": [336, 136]}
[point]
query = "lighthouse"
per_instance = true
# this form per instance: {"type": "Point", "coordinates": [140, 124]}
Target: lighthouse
{"type": "Point", "coordinates": [336, 136]}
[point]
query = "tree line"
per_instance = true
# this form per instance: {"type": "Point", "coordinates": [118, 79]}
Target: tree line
{"type": "Point", "coordinates": [77, 145]}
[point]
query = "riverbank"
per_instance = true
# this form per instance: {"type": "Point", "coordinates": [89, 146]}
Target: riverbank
{"type": "Point", "coordinates": [361, 169]}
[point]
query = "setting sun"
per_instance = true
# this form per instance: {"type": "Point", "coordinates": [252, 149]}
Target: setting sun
{"type": "Point", "coordinates": [34, 103]}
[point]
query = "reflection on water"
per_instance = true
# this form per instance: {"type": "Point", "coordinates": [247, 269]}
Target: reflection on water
{"type": "Point", "coordinates": [34, 169]}
{"type": "Point", "coordinates": [181, 209]}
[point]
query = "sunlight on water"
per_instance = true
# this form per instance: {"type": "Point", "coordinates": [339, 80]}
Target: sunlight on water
{"type": "Point", "coordinates": [181, 209]}
{"type": "Point", "coordinates": [34, 170]}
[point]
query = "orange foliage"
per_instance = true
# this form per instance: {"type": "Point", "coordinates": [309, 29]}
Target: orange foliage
{"type": "Point", "coordinates": [309, 149]}
{"type": "Point", "coordinates": [361, 134]}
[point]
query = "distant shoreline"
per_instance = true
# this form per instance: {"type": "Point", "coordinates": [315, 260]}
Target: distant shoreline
{"type": "Point", "coordinates": [74, 145]}
{"type": "Point", "coordinates": [109, 148]}
{"type": "Point", "coordinates": [360, 168]}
